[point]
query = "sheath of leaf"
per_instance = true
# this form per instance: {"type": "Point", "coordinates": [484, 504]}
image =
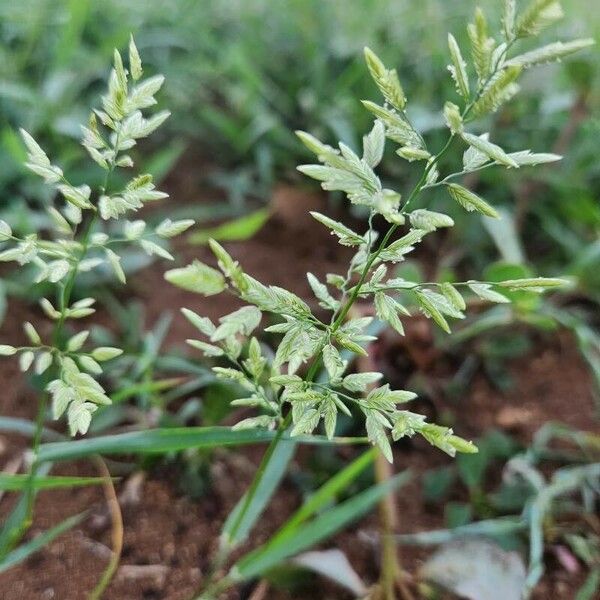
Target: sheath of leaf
{"type": "Point", "coordinates": [285, 385]}
{"type": "Point", "coordinates": [89, 227]}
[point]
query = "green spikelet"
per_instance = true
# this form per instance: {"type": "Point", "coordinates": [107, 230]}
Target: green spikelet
{"type": "Point", "coordinates": [482, 46]}
{"type": "Point", "coordinates": [386, 80]}
{"type": "Point", "coordinates": [500, 89]}
{"type": "Point", "coordinates": [538, 15]}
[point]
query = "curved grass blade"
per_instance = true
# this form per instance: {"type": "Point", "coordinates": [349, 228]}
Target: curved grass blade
{"type": "Point", "coordinates": [320, 528]}
{"type": "Point", "coordinates": [160, 441]}
{"type": "Point", "coordinates": [153, 441]}
{"type": "Point", "coordinates": [37, 543]}
{"type": "Point", "coordinates": [26, 428]}
{"type": "Point", "coordinates": [489, 528]}
{"type": "Point", "coordinates": [325, 494]}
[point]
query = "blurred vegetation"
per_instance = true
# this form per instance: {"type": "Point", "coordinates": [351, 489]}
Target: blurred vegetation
{"type": "Point", "coordinates": [244, 74]}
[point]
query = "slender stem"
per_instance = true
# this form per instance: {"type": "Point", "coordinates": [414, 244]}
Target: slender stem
{"type": "Point", "coordinates": [117, 531]}
{"type": "Point", "coordinates": [392, 574]}
{"type": "Point", "coordinates": [67, 289]}
{"type": "Point", "coordinates": [448, 178]}
{"type": "Point", "coordinates": [390, 567]}
{"type": "Point", "coordinates": [370, 236]}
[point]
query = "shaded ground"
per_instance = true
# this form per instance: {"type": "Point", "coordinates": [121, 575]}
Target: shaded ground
{"type": "Point", "coordinates": [169, 538]}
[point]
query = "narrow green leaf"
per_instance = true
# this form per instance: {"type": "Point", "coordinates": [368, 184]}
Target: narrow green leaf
{"type": "Point", "coordinates": [153, 441]}
{"type": "Point", "coordinates": [321, 528]}
{"type": "Point", "coordinates": [15, 483]}
{"type": "Point", "coordinates": [24, 551]}
{"type": "Point", "coordinates": [14, 525]}
{"type": "Point", "coordinates": [27, 428]}
{"type": "Point", "coordinates": [233, 231]}
{"type": "Point", "coordinates": [326, 494]}
{"type": "Point", "coordinates": [243, 517]}
{"type": "Point", "coordinates": [160, 441]}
